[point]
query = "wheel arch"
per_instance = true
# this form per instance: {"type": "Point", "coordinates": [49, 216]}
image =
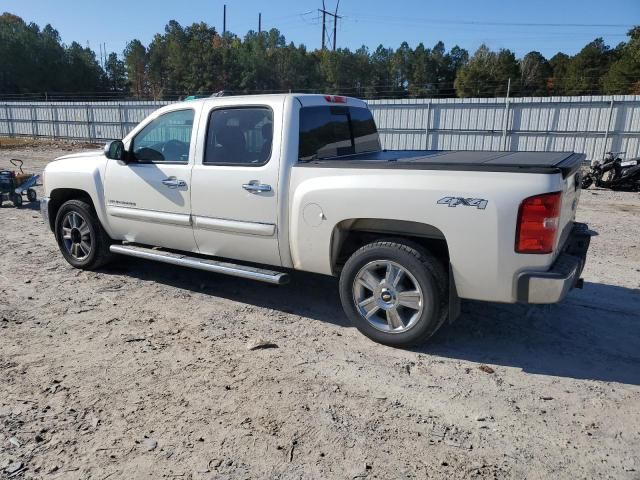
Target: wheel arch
{"type": "Point", "coordinates": [351, 234]}
{"type": "Point", "coordinates": [59, 196]}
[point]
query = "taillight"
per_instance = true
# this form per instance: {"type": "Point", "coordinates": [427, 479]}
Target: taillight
{"type": "Point", "coordinates": [538, 220]}
{"type": "Point", "coordinates": [335, 99]}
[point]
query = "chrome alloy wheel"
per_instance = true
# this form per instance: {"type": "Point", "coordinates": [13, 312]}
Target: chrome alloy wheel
{"type": "Point", "coordinates": [388, 296]}
{"type": "Point", "coordinates": [76, 236]}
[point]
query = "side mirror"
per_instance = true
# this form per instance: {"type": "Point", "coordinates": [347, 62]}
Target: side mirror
{"type": "Point", "coordinates": [114, 150]}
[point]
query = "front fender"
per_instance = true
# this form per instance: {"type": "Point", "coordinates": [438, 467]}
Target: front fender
{"type": "Point", "coordinates": [83, 173]}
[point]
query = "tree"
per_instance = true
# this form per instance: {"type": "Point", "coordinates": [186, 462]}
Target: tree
{"type": "Point", "coordinates": [116, 73]}
{"type": "Point", "coordinates": [624, 74]}
{"type": "Point", "coordinates": [559, 64]}
{"type": "Point", "coordinates": [586, 70]}
{"type": "Point", "coordinates": [157, 70]}
{"type": "Point", "coordinates": [135, 59]}
{"type": "Point", "coordinates": [535, 73]}
{"type": "Point", "coordinates": [487, 73]}
{"type": "Point", "coordinates": [195, 59]}
{"type": "Point", "coordinates": [84, 74]}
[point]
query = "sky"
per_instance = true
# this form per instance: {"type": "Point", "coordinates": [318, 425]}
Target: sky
{"type": "Point", "coordinates": [547, 26]}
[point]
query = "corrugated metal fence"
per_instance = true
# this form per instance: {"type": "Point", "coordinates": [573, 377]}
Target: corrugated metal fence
{"type": "Point", "coordinates": [590, 125]}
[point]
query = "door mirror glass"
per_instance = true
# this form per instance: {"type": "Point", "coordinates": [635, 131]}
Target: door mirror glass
{"type": "Point", "coordinates": [114, 150]}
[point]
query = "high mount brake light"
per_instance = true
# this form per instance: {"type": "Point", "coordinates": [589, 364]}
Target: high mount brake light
{"type": "Point", "coordinates": [335, 99]}
{"type": "Point", "coordinates": [538, 221]}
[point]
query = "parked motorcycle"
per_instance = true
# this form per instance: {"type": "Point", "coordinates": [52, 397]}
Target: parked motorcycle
{"type": "Point", "coordinates": [614, 173]}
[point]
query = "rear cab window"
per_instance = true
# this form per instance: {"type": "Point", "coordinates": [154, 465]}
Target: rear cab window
{"type": "Point", "coordinates": [335, 131]}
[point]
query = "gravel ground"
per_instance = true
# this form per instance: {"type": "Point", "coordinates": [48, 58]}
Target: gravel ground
{"type": "Point", "coordinates": [144, 371]}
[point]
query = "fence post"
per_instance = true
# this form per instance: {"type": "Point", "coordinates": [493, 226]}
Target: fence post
{"type": "Point", "coordinates": [34, 122]}
{"type": "Point", "coordinates": [505, 123]}
{"type": "Point", "coordinates": [89, 123]}
{"type": "Point", "coordinates": [426, 128]}
{"type": "Point", "coordinates": [122, 132]}
{"type": "Point", "coordinates": [10, 131]}
{"type": "Point", "coordinates": [606, 130]}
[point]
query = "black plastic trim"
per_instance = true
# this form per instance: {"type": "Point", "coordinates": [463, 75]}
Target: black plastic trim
{"type": "Point", "coordinates": [566, 166]}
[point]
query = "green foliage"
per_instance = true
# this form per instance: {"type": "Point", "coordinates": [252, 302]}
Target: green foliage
{"type": "Point", "coordinates": [487, 73]}
{"type": "Point", "coordinates": [197, 60]}
{"type": "Point", "coordinates": [624, 74]}
{"type": "Point", "coordinates": [535, 72]}
{"type": "Point", "coordinates": [34, 60]}
{"type": "Point", "coordinates": [136, 60]}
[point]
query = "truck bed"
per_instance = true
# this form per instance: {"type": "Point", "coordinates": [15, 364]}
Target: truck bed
{"type": "Point", "coordinates": [521, 162]}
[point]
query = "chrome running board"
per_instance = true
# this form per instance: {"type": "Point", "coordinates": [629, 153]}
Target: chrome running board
{"type": "Point", "coordinates": [215, 266]}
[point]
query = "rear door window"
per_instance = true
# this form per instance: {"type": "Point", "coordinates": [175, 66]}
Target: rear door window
{"type": "Point", "coordinates": [239, 136]}
{"type": "Point", "coordinates": [333, 131]}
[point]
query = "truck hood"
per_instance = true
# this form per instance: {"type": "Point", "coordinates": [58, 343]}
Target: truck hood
{"type": "Point", "coordinates": [83, 162]}
{"type": "Point", "coordinates": [91, 154]}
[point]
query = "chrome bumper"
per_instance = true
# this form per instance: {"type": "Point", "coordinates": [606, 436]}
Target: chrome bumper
{"type": "Point", "coordinates": [44, 210]}
{"type": "Point", "coordinates": [553, 285]}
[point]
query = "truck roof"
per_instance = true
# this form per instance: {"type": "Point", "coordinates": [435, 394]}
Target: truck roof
{"type": "Point", "coordinates": [306, 99]}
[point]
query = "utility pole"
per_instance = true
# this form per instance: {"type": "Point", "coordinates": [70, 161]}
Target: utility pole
{"type": "Point", "coordinates": [224, 20]}
{"type": "Point", "coordinates": [259, 23]}
{"type": "Point", "coordinates": [335, 25]}
{"type": "Point", "coordinates": [324, 24]}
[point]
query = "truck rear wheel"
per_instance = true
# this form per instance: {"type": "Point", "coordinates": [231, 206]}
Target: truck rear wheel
{"type": "Point", "coordinates": [80, 236]}
{"type": "Point", "coordinates": [394, 292]}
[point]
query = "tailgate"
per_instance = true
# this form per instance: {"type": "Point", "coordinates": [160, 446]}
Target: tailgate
{"type": "Point", "coordinates": [570, 198]}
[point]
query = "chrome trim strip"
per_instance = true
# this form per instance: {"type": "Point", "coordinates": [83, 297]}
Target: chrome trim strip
{"type": "Point", "coordinates": [242, 271]}
{"type": "Point", "coordinates": [234, 226]}
{"type": "Point", "coordinates": [149, 215]}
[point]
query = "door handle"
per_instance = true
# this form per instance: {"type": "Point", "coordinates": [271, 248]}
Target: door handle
{"type": "Point", "coordinates": [254, 186]}
{"type": "Point", "coordinates": [173, 182]}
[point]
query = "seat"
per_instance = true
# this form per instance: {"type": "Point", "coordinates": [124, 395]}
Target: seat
{"type": "Point", "coordinates": [230, 146]}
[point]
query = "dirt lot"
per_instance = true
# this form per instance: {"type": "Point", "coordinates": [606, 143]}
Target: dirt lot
{"type": "Point", "coordinates": [142, 371]}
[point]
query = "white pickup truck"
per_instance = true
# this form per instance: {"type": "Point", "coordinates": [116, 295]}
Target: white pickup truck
{"type": "Point", "coordinates": [254, 186]}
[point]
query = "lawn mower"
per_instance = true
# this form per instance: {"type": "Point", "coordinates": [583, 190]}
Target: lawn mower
{"type": "Point", "coordinates": [13, 185]}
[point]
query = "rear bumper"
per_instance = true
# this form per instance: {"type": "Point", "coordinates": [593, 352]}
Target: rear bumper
{"type": "Point", "coordinates": [553, 285]}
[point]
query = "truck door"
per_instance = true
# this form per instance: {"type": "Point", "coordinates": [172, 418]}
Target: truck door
{"type": "Point", "coordinates": [148, 198]}
{"type": "Point", "coordinates": [235, 187]}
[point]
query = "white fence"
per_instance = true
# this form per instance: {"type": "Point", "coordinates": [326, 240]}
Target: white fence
{"type": "Point", "coordinates": [590, 125]}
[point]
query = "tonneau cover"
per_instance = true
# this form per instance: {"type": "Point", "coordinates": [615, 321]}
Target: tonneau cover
{"type": "Point", "coordinates": [523, 162]}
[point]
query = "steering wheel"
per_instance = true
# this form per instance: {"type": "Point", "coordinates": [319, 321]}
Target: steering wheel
{"type": "Point", "coordinates": [174, 149]}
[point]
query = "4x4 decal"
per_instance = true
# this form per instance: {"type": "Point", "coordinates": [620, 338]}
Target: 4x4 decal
{"type": "Point", "coordinates": [479, 203]}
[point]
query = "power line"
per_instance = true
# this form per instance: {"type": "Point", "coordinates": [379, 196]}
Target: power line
{"type": "Point", "coordinates": [491, 23]}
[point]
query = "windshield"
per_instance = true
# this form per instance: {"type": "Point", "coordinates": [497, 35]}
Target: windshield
{"type": "Point", "coordinates": [334, 131]}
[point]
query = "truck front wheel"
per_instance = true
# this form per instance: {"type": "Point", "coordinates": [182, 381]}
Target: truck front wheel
{"type": "Point", "coordinates": [394, 292]}
{"type": "Point", "coordinates": [80, 236]}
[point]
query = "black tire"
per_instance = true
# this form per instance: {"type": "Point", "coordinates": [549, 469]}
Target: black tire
{"type": "Point", "coordinates": [98, 254]}
{"type": "Point", "coordinates": [424, 271]}
{"type": "Point", "coordinates": [587, 181]}
{"type": "Point", "coordinates": [16, 198]}
{"type": "Point", "coordinates": [32, 196]}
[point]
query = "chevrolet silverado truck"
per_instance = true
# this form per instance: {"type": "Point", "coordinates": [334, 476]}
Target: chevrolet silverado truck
{"type": "Point", "coordinates": [258, 186]}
